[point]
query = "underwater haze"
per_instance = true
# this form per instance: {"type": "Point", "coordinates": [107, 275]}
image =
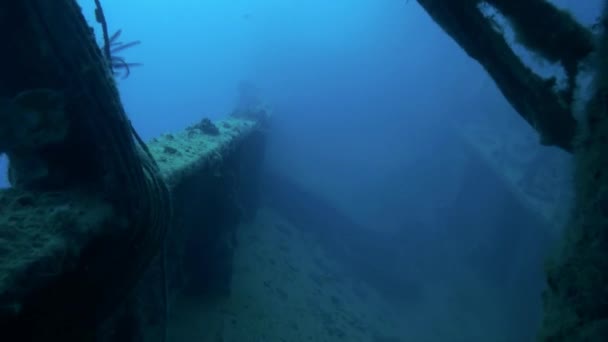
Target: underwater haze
{"type": "Point", "coordinates": [373, 108]}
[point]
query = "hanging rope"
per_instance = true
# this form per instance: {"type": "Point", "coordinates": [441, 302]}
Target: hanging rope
{"type": "Point", "coordinates": [154, 184]}
{"type": "Point", "coordinates": [132, 180]}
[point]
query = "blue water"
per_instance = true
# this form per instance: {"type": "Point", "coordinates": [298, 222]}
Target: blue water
{"type": "Point", "coordinates": [365, 97]}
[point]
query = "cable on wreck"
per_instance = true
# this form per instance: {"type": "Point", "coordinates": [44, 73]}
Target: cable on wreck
{"type": "Point", "coordinates": [132, 179]}
{"type": "Point", "coordinates": [149, 166]}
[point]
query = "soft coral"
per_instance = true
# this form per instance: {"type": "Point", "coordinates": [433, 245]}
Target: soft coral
{"type": "Point", "coordinates": [117, 62]}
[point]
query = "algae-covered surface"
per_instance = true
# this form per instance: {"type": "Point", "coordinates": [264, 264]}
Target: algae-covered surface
{"type": "Point", "coordinates": [42, 234]}
{"type": "Point", "coordinates": [180, 154]}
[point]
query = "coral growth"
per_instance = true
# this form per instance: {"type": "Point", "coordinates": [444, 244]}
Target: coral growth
{"type": "Point", "coordinates": [576, 300]}
{"type": "Point", "coordinates": [118, 63]}
{"type": "Point", "coordinates": [207, 127]}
